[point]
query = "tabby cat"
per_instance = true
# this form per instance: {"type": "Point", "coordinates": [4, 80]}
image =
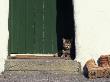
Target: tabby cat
{"type": "Point", "coordinates": [66, 48]}
{"type": "Point", "coordinates": [65, 53]}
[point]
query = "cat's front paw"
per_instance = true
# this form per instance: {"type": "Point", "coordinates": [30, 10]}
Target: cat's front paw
{"type": "Point", "coordinates": [55, 55]}
{"type": "Point", "coordinates": [63, 56]}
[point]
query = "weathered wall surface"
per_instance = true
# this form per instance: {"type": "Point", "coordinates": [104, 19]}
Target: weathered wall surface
{"type": "Point", "coordinates": [4, 7]}
{"type": "Point", "coordinates": [92, 29]}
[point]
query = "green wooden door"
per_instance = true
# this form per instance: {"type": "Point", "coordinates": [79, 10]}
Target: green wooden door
{"type": "Point", "coordinates": [32, 26]}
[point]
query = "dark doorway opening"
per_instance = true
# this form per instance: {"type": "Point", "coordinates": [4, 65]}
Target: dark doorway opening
{"type": "Point", "coordinates": [65, 27]}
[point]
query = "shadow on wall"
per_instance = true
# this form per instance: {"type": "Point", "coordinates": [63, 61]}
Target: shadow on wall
{"type": "Point", "coordinates": [85, 71]}
{"type": "Point", "coordinates": [65, 24]}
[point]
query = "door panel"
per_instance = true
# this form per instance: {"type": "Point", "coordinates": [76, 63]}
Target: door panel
{"type": "Point", "coordinates": [32, 26]}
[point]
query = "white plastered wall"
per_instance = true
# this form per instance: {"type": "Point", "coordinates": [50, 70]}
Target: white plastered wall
{"type": "Point", "coordinates": [92, 19]}
{"type": "Point", "coordinates": [4, 7]}
{"type": "Point", "coordinates": [92, 29]}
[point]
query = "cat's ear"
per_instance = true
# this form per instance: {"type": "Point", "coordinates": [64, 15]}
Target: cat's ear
{"type": "Point", "coordinates": [63, 39]}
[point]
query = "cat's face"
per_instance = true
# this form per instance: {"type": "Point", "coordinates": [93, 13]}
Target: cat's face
{"type": "Point", "coordinates": [66, 43]}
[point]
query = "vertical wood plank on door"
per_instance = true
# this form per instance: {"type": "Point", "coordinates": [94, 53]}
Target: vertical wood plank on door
{"type": "Point", "coordinates": [50, 26]}
{"type": "Point", "coordinates": [29, 30]}
{"type": "Point", "coordinates": [17, 28]}
{"type": "Point", "coordinates": [38, 20]}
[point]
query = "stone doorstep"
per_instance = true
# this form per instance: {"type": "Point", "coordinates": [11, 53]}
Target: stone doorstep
{"type": "Point", "coordinates": [40, 72]}
{"type": "Point", "coordinates": [48, 65]}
